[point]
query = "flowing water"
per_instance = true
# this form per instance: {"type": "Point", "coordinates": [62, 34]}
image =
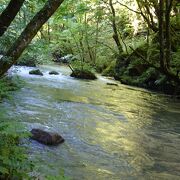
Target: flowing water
{"type": "Point", "coordinates": [110, 132]}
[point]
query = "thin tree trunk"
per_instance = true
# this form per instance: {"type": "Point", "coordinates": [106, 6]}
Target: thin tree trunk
{"type": "Point", "coordinates": [161, 33]}
{"type": "Point", "coordinates": [28, 34]}
{"type": "Point", "coordinates": [96, 41]}
{"type": "Point", "coordinates": [48, 31]}
{"type": "Point", "coordinates": [87, 40]}
{"type": "Point", "coordinates": [152, 25]}
{"type": "Point", "coordinates": [77, 45]}
{"type": "Point", "coordinates": [168, 32]}
{"type": "Point", "coordinates": [115, 35]}
{"type": "Point", "coordinates": [9, 14]}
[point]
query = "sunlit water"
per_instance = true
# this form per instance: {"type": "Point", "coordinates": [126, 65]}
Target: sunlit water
{"type": "Point", "coordinates": [110, 132]}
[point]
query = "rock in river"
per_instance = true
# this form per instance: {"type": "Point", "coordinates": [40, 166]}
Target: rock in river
{"type": "Point", "coordinates": [83, 74]}
{"type": "Point", "coordinates": [47, 138]}
{"type": "Point", "coordinates": [112, 84]}
{"type": "Point", "coordinates": [36, 72]}
{"type": "Point", "coordinates": [53, 73]}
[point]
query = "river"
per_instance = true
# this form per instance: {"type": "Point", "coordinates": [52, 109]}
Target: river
{"type": "Point", "coordinates": [110, 132]}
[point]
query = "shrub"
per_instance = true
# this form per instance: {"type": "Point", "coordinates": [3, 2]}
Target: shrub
{"type": "Point", "coordinates": [110, 70]}
{"type": "Point", "coordinates": [14, 161]}
{"type": "Point", "coordinates": [8, 84]}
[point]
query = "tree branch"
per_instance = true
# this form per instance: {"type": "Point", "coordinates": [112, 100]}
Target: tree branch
{"type": "Point", "coordinates": [8, 15]}
{"type": "Point", "coordinates": [138, 12]}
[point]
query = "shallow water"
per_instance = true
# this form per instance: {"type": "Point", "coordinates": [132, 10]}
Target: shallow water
{"type": "Point", "coordinates": [110, 132]}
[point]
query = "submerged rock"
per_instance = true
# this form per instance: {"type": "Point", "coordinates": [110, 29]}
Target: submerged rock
{"type": "Point", "coordinates": [47, 138]}
{"type": "Point", "coordinates": [83, 74]}
{"type": "Point", "coordinates": [53, 73]}
{"type": "Point", "coordinates": [112, 84]}
{"type": "Point", "coordinates": [36, 72]}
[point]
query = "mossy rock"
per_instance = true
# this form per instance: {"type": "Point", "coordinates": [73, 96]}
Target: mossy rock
{"type": "Point", "coordinates": [36, 72]}
{"type": "Point", "coordinates": [53, 73]}
{"type": "Point", "coordinates": [83, 74]}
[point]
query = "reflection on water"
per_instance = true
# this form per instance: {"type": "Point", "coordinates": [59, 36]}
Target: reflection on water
{"type": "Point", "coordinates": [110, 132]}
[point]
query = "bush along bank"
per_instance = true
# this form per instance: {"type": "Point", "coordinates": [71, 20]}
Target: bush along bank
{"type": "Point", "coordinates": [131, 69]}
{"type": "Point", "coordinates": [7, 85]}
{"type": "Point", "coordinates": [14, 163]}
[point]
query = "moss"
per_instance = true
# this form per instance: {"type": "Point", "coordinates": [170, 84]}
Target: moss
{"type": "Point", "coordinates": [53, 73]}
{"type": "Point", "coordinates": [36, 72]}
{"type": "Point", "coordinates": [83, 74]}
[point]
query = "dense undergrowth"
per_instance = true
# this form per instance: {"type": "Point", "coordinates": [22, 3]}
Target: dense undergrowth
{"type": "Point", "coordinates": [14, 162]}
{"type": "Point", "coordinates": [7, 85]}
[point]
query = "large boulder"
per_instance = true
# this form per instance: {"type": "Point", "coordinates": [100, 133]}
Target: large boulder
{"type": "Point", "coordinates": [53, 73]}
{"type": "Point", "coordinates": [47, 138]}
{"type": "Point", "coordinates": [83, 74]}
{"type": "Point", "coordinates": [36, 72]}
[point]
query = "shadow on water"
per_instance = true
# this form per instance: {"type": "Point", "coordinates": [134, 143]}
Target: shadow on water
{"type": "Point", "coordinates": [110, 132]}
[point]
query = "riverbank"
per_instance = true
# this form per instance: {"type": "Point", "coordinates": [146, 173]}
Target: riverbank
{"type": "Point", "coordinates": [130, 70]}
{"type": "Point", "coordinates": [14, 161]}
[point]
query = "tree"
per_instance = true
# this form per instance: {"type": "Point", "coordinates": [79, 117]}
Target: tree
{"type": "Point", "coordinates": [113, 21]}
{"type": "Point", "coordinates": [165, 7]}
{"type": "Point", "coordinates": [114, 26]}
{"type": "Point", "coordinates": [9, 14]}
{"type": "Point", "coordinates": [149, 10]}
{"type": "Point", "coordinates": [28, 34]}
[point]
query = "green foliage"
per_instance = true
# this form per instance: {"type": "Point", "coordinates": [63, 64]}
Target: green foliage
{"type": "Point", "coordinates": [61, 176]}
{"type": "Point", "coordinates": [175, 61]}
{"type": "Point", "coordinates": [14, 161]}
{"type": "Point", "coordinates": [110, 70]}
{"type": "Point", "coordinates": [81, 65]}
{"type": "Point", "coordinates": [102, 63]}
{"type": "Point", "coordinates": [83, 74]}
{"type": "Point", "coordinates": [150, 72]}
{"type": "Point", "coordinates": [8, 84]}
{"type": "Point", "coordinates": [38, 52]}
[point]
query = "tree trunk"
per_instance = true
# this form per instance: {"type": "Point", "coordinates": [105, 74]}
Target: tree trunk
{"type": "Point", "coordinates": [28, 34]}
{"type": "Point", "coordinates": [161, 33]}
{"type": "Point", "coordinates": [165, 40]}
{"type": "Point", "coordinates": [115, 35]}
{"type": "Point", "coordinates": [9, 14]}
{"type": "Point", "coordinates": [168, 32]}
{"type": "Point", "coordinates": [87, 40]}
{"type": "Point", "coordinates": [147, 16]}
{"type": "Point", "coordinates": [48, 32]}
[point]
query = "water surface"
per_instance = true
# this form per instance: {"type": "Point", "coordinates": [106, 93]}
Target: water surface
{"type": "Point", "coordinates": [110, 132]}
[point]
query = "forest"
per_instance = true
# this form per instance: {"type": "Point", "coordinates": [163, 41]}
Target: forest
{"type": "Point", "coordinates": [65, 50]}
